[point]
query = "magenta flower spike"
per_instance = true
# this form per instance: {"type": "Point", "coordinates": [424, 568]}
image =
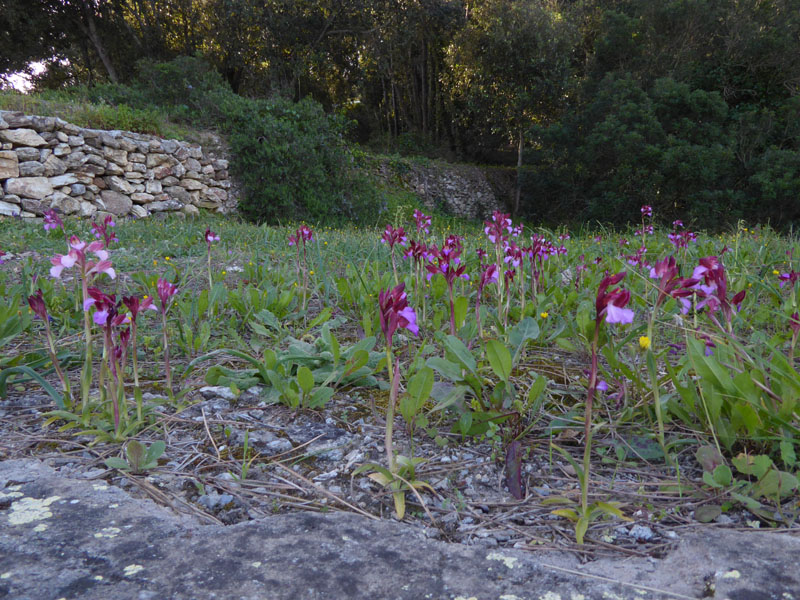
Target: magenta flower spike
{"type": "Point", "coordinates": [610, 306]}
{"type": "Point", "coordinates": [210, 237]}
{"type": "Point", "coordinates": [166, 290]}
{"type": "Point", "coordinates": [647, 211]}
{"type": "Point", "coordinates": [36, 302]}
{"type": "Point", "coordinates": [396, 313]}
{"type": "Point", "coordinates": [422, 221]}
{"type": "Point", "coordinates": [105, 231]}
{"type": "Point", "coordinates": [394, 236]}
{"type": "Point", "coordinates": [52, 221]}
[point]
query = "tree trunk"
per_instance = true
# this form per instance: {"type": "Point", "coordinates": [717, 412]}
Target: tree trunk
{"type": "Point", "coordinates": [518, 191]}
{"type": "Point", "coordinates": [90, 31]}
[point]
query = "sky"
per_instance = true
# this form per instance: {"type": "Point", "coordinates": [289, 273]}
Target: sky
{"type": "Point", "coordinates": [22, 81]}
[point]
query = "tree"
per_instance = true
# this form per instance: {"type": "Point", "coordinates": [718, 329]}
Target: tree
{"type": "Point", "coordinates": [510, 67]}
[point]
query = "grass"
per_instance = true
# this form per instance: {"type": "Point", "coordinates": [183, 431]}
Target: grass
{"type": "Point", "coordinates": [725, 398]}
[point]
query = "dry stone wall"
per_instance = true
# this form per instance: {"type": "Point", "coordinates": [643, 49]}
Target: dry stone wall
{"type": "Point", "coordinates": [456, 189]}
{"type": "Point", "coordinates": [46, 163]}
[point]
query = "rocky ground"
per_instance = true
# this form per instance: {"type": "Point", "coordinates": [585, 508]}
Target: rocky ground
{"type": "Point", "coordinates": [299, 465]}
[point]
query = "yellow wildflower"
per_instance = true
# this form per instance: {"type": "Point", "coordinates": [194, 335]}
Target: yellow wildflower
{"type": "Point", "coordinates": [544, 315]}
{"type": "Point", "coordinates": [644, 342]}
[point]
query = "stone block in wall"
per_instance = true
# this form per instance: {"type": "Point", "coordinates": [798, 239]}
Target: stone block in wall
{"type": "Point", "coordinates": [9, 210]}
{"type": "Point", "coordinates": [106, 139]}
{"type": "Point", "coordinates": [77, 189]}
{"type": "Point", "coordinates": [36, 207]}
{"type": "Point", "coordinates": [22, 137]}
{"type": "Point", "coordinates": [191, 184]}
{"type": "Point", "coordinates": [10, 198]}
{"type": "Point", "coordinates": [17, 119]}
{"type": "Point", "coordinates": [115, 203]}
{"type": "Point", "coordinates": [95, 170]}
{"type": "Point", "coordinates": [170, 181]}
{"type": "Point", "coordinates": [142, 198]}
{"type": "Point", "coordinates": [192, 164]}
{"type": "Point", "coordinates": [140, 212]}
{"type": "Point", "coordinates": [170, 146]}
{"type": "Point", "coordinates": [136, 157]}
{"type": "Point", "coordinates": [115, 155]}
{"type": "Point", "coordinates": [67, 128]}
{"type": "Point", "coordinates": [190, 210]}
{"type": "Point", "coordinates": [182, 153]}
{"type": "Point", "coordinates": [162, 172]}
{"type": "Point", "coordinates": [87, 209]}
{"type": "Point", "coordinates": [119, 184]}
{"type": "Point", "coordinates": [75, 160]}
{"type": "Point", "coordinates": [127, 144]}
{"type": "Point", "coordinates": [26, 154]}
{"type": "Point", "coordinates": [208, 171]}
{"type": "Point", "coordinates": [178, 193]}
{"type": "Point", "coordinates": [29, 187]}
{"type": "Point", "coordinates": [62, 150]}
{"type": "Point", "coordinates": [155, 160]}
{"type": "Point", "coordinates": [31, 168]}
{"type": "Point", "coordinates": [195, 151]}
{"type": "Point", "coordinates": [54, 166]}
{"type": "Point", "coordinates": [44, 154]}
{"type": "Point", "coordinates": [137, 168]}
{"type": "Point", "coordinates": [43, 124]}
{"type": "Point", "coordinates": [114, 169]}
{"type": "Point", "coordinates": [164, 205]}
{"type": "Point", "coordinates": [75, 140]}
{"type": "Point", "coordinates": [3, 123]}
{"type": "Point", "coordinates": [9, 164]}
{"type": "Point", "coordinates": [66, 204]}
{"type": "Point", "coordinates": [62, 137]}
{"type": "Point", "coordinates": [178, 170]}
{"type": "Point", "coordinates": [220, 164]}
{"type": "Point", "coordinates": [153, 187]}
{"type": "Point", "coordinates": [65, 179]}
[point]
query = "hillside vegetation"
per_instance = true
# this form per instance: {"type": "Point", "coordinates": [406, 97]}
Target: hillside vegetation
{"type": "Point", "coordinates": [690, 106]}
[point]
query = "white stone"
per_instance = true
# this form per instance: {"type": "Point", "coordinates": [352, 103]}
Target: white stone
{"type": "Point", "coordinates": [191, 184]}
{"type": "Point", "coordinates": [29, 187]}
{"type": "Point", "coordinates": [62, 150]}
{"type": "Point", "coordinates": [9, 210]}
{"type": "Point", "coordinates": [66, 204]}
{"type": "Point", "coordinates": [9, 164]}
{"type": "Point", "coordinates": [66, 179]}
{"type": "Point", "coordinates": [22, 137]}
{"type": "Point", "coordinates": [119, 185]}
{"type": "Point", "coordinates": [139, 212]}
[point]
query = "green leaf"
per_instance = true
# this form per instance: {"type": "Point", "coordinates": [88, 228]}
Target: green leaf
{"type": "Point", "coordinates": [155, 451]}
{"type": "Point", "coordinates": [116, 462]}
{"type": "Point", "coordinates": [306, 379]}
{"type": "Point", "coordinates": [749, 464]}
{"type": "Point", "coordinates": [460, 307]}
{"type": "Point", "coordinates": [707, 513]}
{"type": "Point", "coordinates": [723, 475]}
{"type": "Point", "coordinates": [320, 397]}
{"type": "Point", "coordinates": [461, 352]}
{"type": "Point", "coordinates": [709, 457]}
{"type": "Point", "coordinates": [499, 359]}
{"type": "Point", "coordinates": [269, 319]}
{"type": "Point", "coordinates": [445, 368]}
{"type": "Point", "coordinates": [788, 455]}
{"type": "Point", "coordinates": [525, 330]}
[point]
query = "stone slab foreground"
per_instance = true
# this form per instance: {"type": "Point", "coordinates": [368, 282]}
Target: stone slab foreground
{"type": "Point", "coordinates": [72, 538]}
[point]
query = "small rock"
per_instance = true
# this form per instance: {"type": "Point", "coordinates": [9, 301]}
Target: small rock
{"type": "Point", "coordinates": [217, 391]}
{"type": "Point", "coordinates": [641, 533]}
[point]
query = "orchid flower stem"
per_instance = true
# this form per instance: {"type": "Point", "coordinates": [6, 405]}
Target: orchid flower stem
{"type": "Point", "coordinates": [210, 280]}
{"type": "Point", "coordinates": [394, 267]}
{"type": "Point", "coordinates": [86, 374]}
{"type": "Point", "coordinates": [651, 359]}
{"type": "Point", "coordinates": [587, 428]}
{"type": "Point", "coordinates": [56, 366]}
{"type": "Point", "coordinates": [166, 352]}
{"type": "Point", "coordinates": [394, 381]}
{"type": "Point", "coordinates": [452, 311]}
